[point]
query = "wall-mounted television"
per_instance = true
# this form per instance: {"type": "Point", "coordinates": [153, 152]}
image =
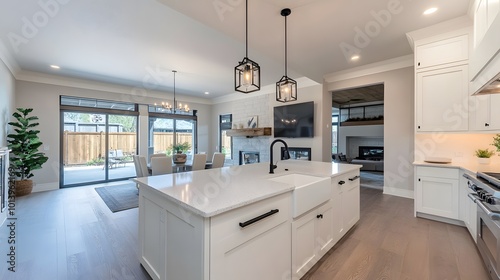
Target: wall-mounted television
{"type": "Point", "coordinates": [294, 121]}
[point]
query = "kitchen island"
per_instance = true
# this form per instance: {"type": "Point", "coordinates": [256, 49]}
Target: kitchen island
{"type": "Point", "coordinates": [240, 222]}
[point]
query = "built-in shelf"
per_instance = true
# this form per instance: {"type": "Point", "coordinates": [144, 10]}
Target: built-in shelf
{"type": "Point", "coordinates": [250, 132]}
{"type": "Point", "coordinates": [367, 122]}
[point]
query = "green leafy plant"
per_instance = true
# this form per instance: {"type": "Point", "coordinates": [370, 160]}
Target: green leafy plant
{"type": "Point", "coordinates": [96, 161]}
{"type": "Point", "coordinates": [480, 153]}
{"type": "Point", "coordinates": [496, 142]}
{"type": "Point", "coordinates": [25, 157]}
{"type": "Point", "coordinates": [180, 148]}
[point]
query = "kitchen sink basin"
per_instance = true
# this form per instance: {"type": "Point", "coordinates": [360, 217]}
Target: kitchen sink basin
{"type": "Point", "coordinates": [310, 191]}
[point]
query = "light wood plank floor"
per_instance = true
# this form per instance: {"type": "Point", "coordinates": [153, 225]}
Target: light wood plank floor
{"type": "Point", "coordinates": [71, 234]}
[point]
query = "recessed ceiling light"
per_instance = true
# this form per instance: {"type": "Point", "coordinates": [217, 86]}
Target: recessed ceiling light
{"type": "Point", "coordinates": [354, 57]}
{"type": "Point", "coordinates": [55, 67]}
{"type": "Point", "coordinates": [206, 92]}
{"type": "Point", "coordinates": [430, 11]}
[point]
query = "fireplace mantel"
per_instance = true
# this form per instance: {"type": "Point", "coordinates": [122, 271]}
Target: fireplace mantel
{"type": "Point", "coordinates": [250, 132]}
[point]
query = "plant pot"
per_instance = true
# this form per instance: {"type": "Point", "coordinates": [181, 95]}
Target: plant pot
{"type": "Point", "coordinates": [23, 187]}
{"type": "Point", "coordinates": [483, 160]}
{"type": "Point", "coordinates": [179, 158]}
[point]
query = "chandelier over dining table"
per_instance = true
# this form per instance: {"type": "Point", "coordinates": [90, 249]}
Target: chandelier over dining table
{"type": "Point", "coordinates": [175, 107]}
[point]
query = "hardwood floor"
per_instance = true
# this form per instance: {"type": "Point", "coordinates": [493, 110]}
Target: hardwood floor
{"type": "Point", "coordinates": [389, 243]}
{"type": "Point", "coordinates": [71, 234]}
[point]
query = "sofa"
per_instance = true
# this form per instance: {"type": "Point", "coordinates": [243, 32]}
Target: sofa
{"type": "Point", "coordinates": [369, 165]}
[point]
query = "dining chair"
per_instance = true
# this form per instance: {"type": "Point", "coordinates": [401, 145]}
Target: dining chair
{"type": "Point", "coordinates": [157, 155]}
{"type": "Point", "coordinates": [144, 166]}
{"type": "Point", "coordinates": [199, 162]}
{"type": "Point", "coordinates": [218, 160]}
{"type": "Point", "coordinates": [161, 165]}
{"type": "Point", "coordinates": [137, 164]}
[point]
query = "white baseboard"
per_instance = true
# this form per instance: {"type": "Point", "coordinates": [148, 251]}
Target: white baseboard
{"type": "Point", "coordinates": [399, 192]}
{"type": "Point", "coordinates": [46, 187]}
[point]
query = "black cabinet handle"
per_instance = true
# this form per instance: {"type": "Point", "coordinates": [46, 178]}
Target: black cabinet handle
{"type": "Point", "coordinates": [256, 219]}
{"type": "Point", "coordinates": [353, 178]}
{"type": "Point", "coordinates": [341, 182]}
{"type": "Point", "coordinates": [418, 64]}
{"type": "Point", "coordinates": [320, 216]}
{"type": "Point", "coordinates": [486, 124]}
{"type": "Point", "coordinates": [418, 127]}
{"type": "Point", "coordinates": [419, 179]}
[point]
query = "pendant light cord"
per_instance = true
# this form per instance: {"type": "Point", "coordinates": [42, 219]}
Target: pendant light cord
{"type": "Point", "coordinates": [175, 102]}
{"type": "Point", "coordinates": [286, 49]}
{"type": "Point", "coordinates": [246, 29]}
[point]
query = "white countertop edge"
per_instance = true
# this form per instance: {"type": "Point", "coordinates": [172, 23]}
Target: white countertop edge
{"type": "Point", "coordinates": [220, 210]}
{"type": "Point", "coordinates": [464, 166]}
{"type": "Point", "coordinates": [279, 189]}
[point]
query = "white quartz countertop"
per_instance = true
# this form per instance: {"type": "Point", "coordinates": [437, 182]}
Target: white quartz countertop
{"type": "Point", "coordinates": [214, 191]}
{"type": "Point", "coordinates": [471, 167]}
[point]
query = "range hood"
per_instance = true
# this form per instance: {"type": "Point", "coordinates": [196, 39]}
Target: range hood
{"type": "Point", "coordinates": [492, 87]}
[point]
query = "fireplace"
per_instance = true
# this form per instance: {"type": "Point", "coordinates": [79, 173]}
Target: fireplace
{"type": "Point", "coordinates": [297, 153]}
{"type": "Point", "coordinates": [371, 153]}
{"type": "Point", "coordinates": [249, 157]}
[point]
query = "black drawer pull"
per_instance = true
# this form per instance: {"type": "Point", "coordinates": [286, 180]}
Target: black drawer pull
{"type": "Point", "coordinates": [320, 216]}
{"type": "Point", "coordinates": [256, 219]}
{"type": "Point", "coordinates": [353, 178]}
{"type": "Point", "coordinates": [341, 182]}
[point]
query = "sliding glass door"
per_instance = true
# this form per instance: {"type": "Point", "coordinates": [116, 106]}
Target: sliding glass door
{"type": "Point", "coordinates": [97, 144]}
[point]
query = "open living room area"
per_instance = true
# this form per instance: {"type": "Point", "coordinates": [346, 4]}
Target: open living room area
{"type": "Point", "coordinates": [250, 139]}
{"type": "Point", "coordinates": [358, 131]}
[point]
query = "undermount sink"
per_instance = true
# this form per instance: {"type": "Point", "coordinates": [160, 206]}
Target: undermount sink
{"type": "Point", "coordinates": [310, 191]}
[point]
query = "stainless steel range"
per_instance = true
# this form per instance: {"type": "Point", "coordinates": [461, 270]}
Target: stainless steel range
{"type": "Point", "coordinates": [485, 193]}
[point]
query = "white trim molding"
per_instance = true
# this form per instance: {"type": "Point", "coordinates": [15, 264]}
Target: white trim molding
{"type": "Point", "coordinates": [370, 69]}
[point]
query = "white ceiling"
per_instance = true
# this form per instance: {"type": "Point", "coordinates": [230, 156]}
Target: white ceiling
{"type": "Point", "coordinates": [138, 43]}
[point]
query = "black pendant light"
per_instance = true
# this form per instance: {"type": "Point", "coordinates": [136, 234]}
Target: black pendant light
{"type": "Point", "coordinates": [286, 88]}
{"type": "Point", "coordinates": [247, 73]}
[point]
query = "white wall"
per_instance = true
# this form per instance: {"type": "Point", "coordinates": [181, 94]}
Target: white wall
{"type": "Point", "coordinates": [398, 124]}
{"type": "Point", "coordinates": [262, 104]}
{"type": "Point", "coordinates": [44, 99]}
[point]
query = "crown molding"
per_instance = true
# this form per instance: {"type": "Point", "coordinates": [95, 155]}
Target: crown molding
{"type": "Point", "coordinates": [302, 82]}
{"type": "Point", "coordinates": [439, 29]}
{"type": "Point", "coordinates": [8, 60]}
{"type": "Point", "coordinates": [370, 69]}
{"type": "Point", "coordinates": [37, 77]}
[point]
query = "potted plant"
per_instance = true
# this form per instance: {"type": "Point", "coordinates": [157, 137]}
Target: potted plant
{"type": "Point", "coordinates": [496, 142]}
{"type": "Point", "coordinates": [24, 143]}
{"type": "Point", "coordinates": [484, 155]}
{"type": "Point", "coordinates": [179, 150]}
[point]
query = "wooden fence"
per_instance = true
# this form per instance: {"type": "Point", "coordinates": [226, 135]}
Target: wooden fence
{"type": "Point", "coordinates": [84, 147]}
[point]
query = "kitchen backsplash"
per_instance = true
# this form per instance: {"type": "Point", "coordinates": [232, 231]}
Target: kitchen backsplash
{"type": "Point", "coordinates": [458, 147]}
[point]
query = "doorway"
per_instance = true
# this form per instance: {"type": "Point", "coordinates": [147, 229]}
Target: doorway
{"type": "Point", "coordinates": [97, 144]}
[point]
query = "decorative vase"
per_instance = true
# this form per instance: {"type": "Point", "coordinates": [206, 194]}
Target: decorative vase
{"type": "Point", "coordinates": [23, 187]}
{"type": "Point", "coordinates": [179, 158]}
{"type": "Point", "coordinates": [483, 160]}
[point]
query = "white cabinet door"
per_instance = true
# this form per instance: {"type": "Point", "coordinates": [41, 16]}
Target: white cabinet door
{"type": "Point", "coordinates": [312, 236]}
{"type": "Point", "coordinates": [350, 202]}
{"type": "Point", "coordinates": [347, 204]}
{"type": "Point", "coordinates": [485, 112]}
{"type": "Point", "coordinates": [304, 244]}
{"type": "Point", "coordinates": [442, 52]}
{"type": "Point", "coordinates": [442, 100]}
{"type": "Point", "coordinates": [437, 196]}
{"type": "Point", "coordinates": [325, 228]}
